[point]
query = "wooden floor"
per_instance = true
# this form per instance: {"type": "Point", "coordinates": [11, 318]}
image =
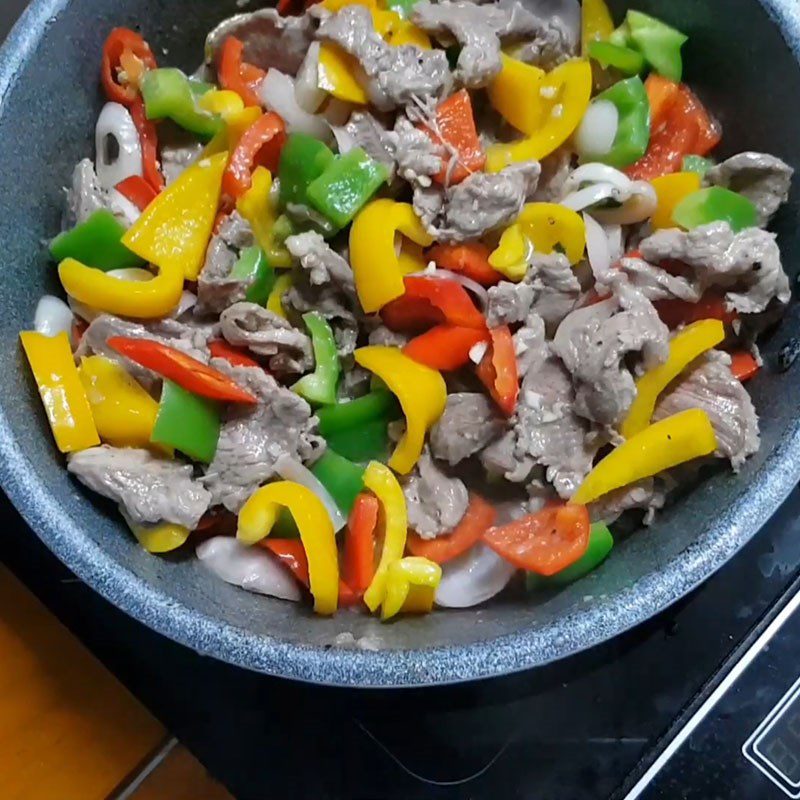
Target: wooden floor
{"type": "Point", "coordinates": [68, 729]}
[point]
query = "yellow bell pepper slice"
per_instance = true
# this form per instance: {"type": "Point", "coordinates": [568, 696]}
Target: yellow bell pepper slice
{"type": "Point", "coordinates": [411, 258]}
{"type": "Point", "coordinates": [337, 5]}
{"type": "Point", "coordinates": [597, 24]}
{"type": "Point", "coordinates": [422, 394]}
{"type": "Point", "coordinates": [275, 300]}
{"type": "Point", "coordinates": [257, 206]}
{"type": "Point", "coordinates": [61, 390]}
{"type": "Point", "coordinates": [411, 585]}
{"type": "Point", "coordinates": [221, 102]}
{"type": "Point", "coordinates": [174, 230]}
{"type": "Point", "coordinates": [379, 479]}
{"type": "Point", "coordinates": [162, 538]}
{"type": "Point", "coordinates": [513, 252]}
{"type": "Point", "coordinates": [336, 74]}
{"type": "Point", "coordinates": [561, 99]}
{"type": "Point", "coordinates": [236, 123]}
{"type": "Point", "coordinates": [670, 190]}
{"type": "Point", "coordinates": [663, 445]}
{"type": "Point", "coordinates": [123, 411]}
{"type": "Point", "coordinates": [510, 90]}
{"type": "Point", "coordinates": [378, 275]}
{"type": "Point", "coordinates": [685, 347]}
{"type": "Point", "coordinates": [406, 33]}
{"type": "Point", "coordinates": [259, 514]}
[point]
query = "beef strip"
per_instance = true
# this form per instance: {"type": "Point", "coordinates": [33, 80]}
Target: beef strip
{"type": "Point", "coordinates": [417, 156]}
{"type": "Point", "coordinates": [762, 178]}
{"type": "Point", "coordinates": [395, 75]}
{"type": "Point", "coordinates": [332, 304]}
{"type": "Point", "coordinates": [480, 203]}
{"type": "Point", "coordinates": [381, 336]}
{"type": "Point", "coordinates": [468, 424]}
{"type": "Point", "coordinates": [178, 149]}
{"type": "Point", "coordinates": [556, 170]}
{"type": "Point", "coordinates": [710, 386]}
{"type": "Point", "coordinates": [216, 290]}
{"type": "Point", "coordinates": [509, 303]}
{"type": "Point", "coordinates": [253, 438]}
{"type": "Point", "coordinates": [747, 263]}
{"type": "Point", "coordinates": [645, 495]}
{"type": "Point", "coordinates": [85, 196]}
{"type": "Point", "coordinates": [368, 134]}
{"type": "Point", "coordinates": [322, 263]}
{"type": "Point", "coordinates": [656, 283]}
{"type": "Point", "coordinates": [149, 489]}
{"type": "Point", "coordinates": [436, 503]}
{"type": "Point", "coordinates": [266, 334]}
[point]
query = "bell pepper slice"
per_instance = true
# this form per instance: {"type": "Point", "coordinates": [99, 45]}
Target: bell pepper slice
{"type": "Point", "coordinates": [233, 355]}
{"type": "Point", "coordinates": [63, 396]}
{"type": "Point", "coordinates": [260, 145]}
{"type": "Point", "coordinates": [97, 242]}
{"type": "Point", "coordinates": [684, 348]}
{"type": "Point", "coordinates": [561, 100]}
{"type": "Point", "coordinates": [447, 296]}
{"type": "Point", "coordinates": [303, 160]}
{"type": "Point", "coordinates": [252, 265]}
{"type": "Point", "coordinates": [513, 93]}
{"type": "Point", "coordinates": [237, 75]}
{"type": "Point", "coordinates": [275, 302]}
{"type": "Point", "coordinates": [148, 139]}
{"type": "Point", "coordinates": [258, 515]}
{"type": "Point", "coordinates": [174, 231]}
{"type": "Point", "coordinates": [545, 542]}
{"type": "Point", "coordinates": [257, 206]}
{"type": "Point", "coordinates": [470, 260]}
{"type": "Point", "coordinates": [716, 204]}
{"type": "Point", "coordinates": [445, 347]}
{"type": "Point", "coordinates": [422, 394]}
{"type": "Point", "coordinates": [597, 24]}
{"type": "Point", "coordinates": [341, 477]}
{"type": "Point", "coordinates": [712, 305]}
{"type": "Point", "coordinates": [411, 584]}
{"type": "Point", "coordinates": [624, 59]}
{"type": "Point", "coordinates": [222, 102]}
{"type": "Point", "coordinates": [187, 422]}
{"type": "Point", "coordinates": [187, 372]}
{"type": "Point", "coordinates": [320, 385]}
{"type": "Point", "coordinates": [477, 519]}
{"type": "Point", "coordinates": [124, 413]}
{"type": "Point", "coordinates": [124, 46]}
{"type": "Point", "coordinates": [658, 43]}
{"type": "Point", "coordinates": [359, 543]}
{"type": "Point", "coordinates": [158, 539]}
{"type": "Point", "coordinates": [401, 7]}
{"type": "Point", "coordinates": [498, 370]}
{"type": "Point", "coordinates": [662, 445]}
{"type": "Point", "coordinates": [337, 74]}
{"type": "Point", "coordinates": [697, 164]}
{"type": "Point", "coordinates": [138, 191]}
{"type": "Point", "coordinates": [670, 191]}
{"type": "Point", "coordinates": [601, 543]}
{"type": "Point", "coordinates": [346, 185]}
{"type": "Point", "coordinates": [633, 131]}
{"type": "Point", "coordinates": [743, 365]}
{"type": "Point", "coordinates": [377, 273]}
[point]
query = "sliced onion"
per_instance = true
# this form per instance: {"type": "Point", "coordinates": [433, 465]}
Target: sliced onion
{"type": "Point", "coordinates": [473, 578]}
{"type": "Point", "coordinates": [306, 86]}
{"type": "Point", "coordinates": [590, 196]}
{"type": "Point", "coordinates": [470, 285]}
{"type": "Point", "coordinates": [53, 316]}
{"type": "Point", "coordinates": [250, 568]}
{"type": "Point", "coordinates": [336, 111]}
{"type": "Point", "coordinates": [597, 248]}
{"type": "Point", "coordinates": [641, 205]}
{"type": "Point", "coordinates": [121, 206]}
{"type": "Point", "coordinates": [599, 173]}
{"type": "Point", "coordinates": [187, 302]}
{"type": "Point", "coordinates": [345, 141]}
{"type": "Point", "coordinates": [598, 129]}
{"type": "Point", "coordinates": [277, 94]}
{"type": "Point", "coordinates": [616, 244]}
{"type": "Point", "coordinates": [477, 352]}
{"type": "Point", "coordinates": [115, 123]}
{"type": "Point", "coordinates": [291, 469]}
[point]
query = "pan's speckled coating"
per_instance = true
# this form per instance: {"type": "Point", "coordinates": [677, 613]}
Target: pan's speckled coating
{"type": "Point", "coordinates": [742, 58]}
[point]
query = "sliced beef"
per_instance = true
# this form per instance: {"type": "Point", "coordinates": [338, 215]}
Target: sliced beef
{"type": "Point", "coordinates": [468, 424]}
{"type": "Point", "coordinates": [762, 178]}
{"type": "Point", "coordinates": [556, 287]}
{"type": "Point", "coordinates": [266, 334]}
{"type": "Point", "coordinates": [711, 386]}
{"type": "Point", "coordinates": [371, 136]}
{"type": "Point", "coordinates": [149, 489]}
{"type": "Point", "coordinates": [253, 438]}
{"type": "Point", "coordinates": [381, 336]}
{"type": "Point", "coordinates": [436, 503]}
{"type": "Point", "coordinates": [509, 303]}
{"type": "Point", "coordinates": [331, 304]}
{"type": "Point", "coordinates": [178, 149]}
{"type": "Point", "coordinates": [644, 495]}
{"type": "Point", "coordinates": [84, 195]}
{"type": "Point", "coordinates": [395, 75]}
{"type": "Point", "coordinates": [656, 283]}
{"type": "Point", "coordinates": [322, 263]}
{"type": "Point", "coordinates": [556, 169]}
{"type": "Point", "coordinates": [417, 156]}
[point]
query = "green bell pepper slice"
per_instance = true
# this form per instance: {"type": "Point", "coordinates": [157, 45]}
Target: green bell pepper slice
{"type": "Point", "coordinates": [633, 132]}
{"type": "Point", "coordinates": [97, 242]}
{"type": "Point", "coordinates": [624, 59]}
{"type": "Point", "coordinates": [346, 186]}
{"type": "Point", "coordinates": [658, 43]}
{"type": "Point", "coordinates": [379, 405]}
{"type": "Point", "coordinates": [320, 386]}
{"type": "Point", "coordinates": [369, 442]}
{"type": "Point", "coordinates": [187, 422]}
{"type": "Point", "coordinates": [303, 160]}
{"type": "Point", "coordinates": [697, 164]}
{"type": "Point", "coordinates": [341, 477]}
{"type": "Point", "coordinates": [253, 265]}
{"type": "Point", "coordinates": [716, 204]}
{"type": "Point", "coordinates": [600, 543]}
{"type": "Point", "coordinates": [401, 7]}
{"type": "Point", "coordinates": [168, 94]}
{"type": "Point", "coordinates": [621, 36]}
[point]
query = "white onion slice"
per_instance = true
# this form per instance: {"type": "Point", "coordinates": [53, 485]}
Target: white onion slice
{"type": "Point", "coordinates": [598, 129]}
{"type": "Point", "coordinates": [250, 568]}
{"type": "Point", "coordinates": [470, 285]}
{"type": "Point", "coordinates": [187, 302]}
{"type": "Point", "coordinates": [277, 94]}
{"type": "Point", "coordinates": [306, 86]}
{"type": "Point", "coordinates": [473, 578]}
{"type": "Point", "coordinates": [115, 122]}
{"type": "Point", "coordinates": [641, 205]}
{"type": "Point", "coordinates": [121, 206]}
{"type": "Point", "coordinates": [590, 196]}
{"type": "Point", "coordinates": [53, 316]}
{"type": "Point", "coordinates": [345, 141]}
{"type": "Point", "coordinates": [597, 248]}
{"type": "Point", "coordinates": [595, 172]}
{"type": "Point", "coordinates": [337, 112]}
{"type": "Point", "coordinates": [477, 352]}
{"type": "Point", "coordinates": [616, 244]}
{"type": "Point", "coordinates": [291, 469]}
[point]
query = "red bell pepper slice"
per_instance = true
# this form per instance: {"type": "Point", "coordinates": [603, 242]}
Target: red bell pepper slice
{"type": "Point", "coordinates": [148, 137]}
{"type": "Point", "coordinates": [498, 370]}
{"type": "Point", "coordinates": [470, 260]}
{"type": "Point", "coordinates": [455, 127]}
{"type": "Point", "coordinates": [233, 355]}
{"type": "Point", "coordinates": [138, 191]}
{"type": "Point", "coordinates": [259, 146]}
{"type": "Point", "coordinates": [712, 305]}
{"type": "Point", "coordinates": [445, 347]}
{"type": "Point", "coordinates": [545, 542]}
{"type": "Point", "coordinates": [407, 315]}
{"type": "Point", "coordinates": [449, 297]}
{"type": "Point", "coordinates": [124, 46]}
{"type": "Point", "coordinates": [743, 365]}
{"type": "Point", "coordinates": [187, 372]}
{"type": "Point", "coordinates": [216, 521]}
{"type": "Point", "coordinates": [237, 75]}
{"type": "Point", "coordinates": [479, 517]}
{"type": "Point", "coordinates": [358, 567]}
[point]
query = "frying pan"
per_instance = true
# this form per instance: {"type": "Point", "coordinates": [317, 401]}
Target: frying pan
{"type": "Point", "coordinates": [743, 60]}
